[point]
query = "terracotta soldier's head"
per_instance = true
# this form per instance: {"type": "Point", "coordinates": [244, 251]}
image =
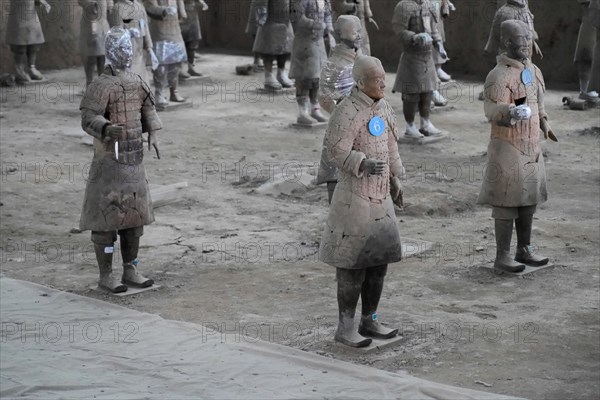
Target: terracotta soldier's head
{"type": "Point", "coordinates": [517, 38]}
{"type": "Point", "coordinates": [349, 29]}
{"type": "Point", "coordinates": [119, 50]}
{"type": "Point", "coordinates": [369, 75]}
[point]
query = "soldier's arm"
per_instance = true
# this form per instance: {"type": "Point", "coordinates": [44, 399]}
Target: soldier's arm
{"type": "Point", "coordinates": [368, 12]}
{"type": "Point", "coordinates": [328, 18]}
{"type": "Point", "coordinates": [93, 106]}
{"type": "Point", "coordinates": [181, 9]}
{"type": "Point", "coordinates": [396, 167]}
{"type": "Point", "coordinates": [435, 34]}
{"type": "Point", "coordinates": [299, 19]}
{"type": "Point", "coordinates": [154, 10]}
{"type": "Point", "coordinates": [342, 7]}
{"type": "Point", "coordinates": [150, 120]}
{"type": "Point", "coordinates": [497, 99]}
{"type": "Point", "coordinates": [400, 22]}
{"type": "Point", "coordinates": [339, 139]}
{"type": "Point", "coordinates": [493, 42]}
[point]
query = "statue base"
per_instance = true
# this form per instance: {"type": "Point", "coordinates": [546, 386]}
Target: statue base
{"type": "Point", "coordinates": [423, 140]}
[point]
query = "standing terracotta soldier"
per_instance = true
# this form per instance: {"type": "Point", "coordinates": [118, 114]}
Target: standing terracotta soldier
{"type": "Point", "coordinates": [361, 236]}
{"type": "Point", "coordinates": [24, 36]}
{"type": "Point", "coordinates": [168, 46]}
{"type": "Point", "coordinates": [93, 28]}
{"type": "Point", "coordinates": [274, 38]}
{"type": "Point", "coordinates": [515, 178]}
{"type": "Point", "coordinates": [251, 28]}
{"type": "Point", "coordinates": [595, 21]}
{"type": "Point", "coordinates": [584, 53]}
{"type": "Point", "coordinates": [336, 83]}
{"type": "Point", "coordinates": [311, 20]}
{"type": "Point", "coordinates": [513, 9]}
{"type": "Point", "coordinates": [190, 30]}
{"type": "Point", "coordinates": [414, 22]}
{"type": "Point", "coordinates": [361, 9]}
{"type": "Point", "coordinates": [117, 108]}
{"type": "Point", "coordinates": [442, 10]}
{"type": "Point", "coordinates": [131, 14]}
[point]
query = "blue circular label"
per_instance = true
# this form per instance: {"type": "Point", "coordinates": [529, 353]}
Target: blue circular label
{"type": "Point", "coordinates": [527, 76]}
{"type": "Point", "coordinates": [376, 126]}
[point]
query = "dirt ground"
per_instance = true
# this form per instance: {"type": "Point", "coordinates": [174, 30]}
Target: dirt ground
{"type": "Point", "coordinates": [237, 255]}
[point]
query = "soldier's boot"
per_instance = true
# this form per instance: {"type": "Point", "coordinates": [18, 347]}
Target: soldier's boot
{"type": "Point", "coordinates": [283, 79]}
{"type": "Point", "coordinates": [370, 294]}
{"type": "Point", "coordinates": [129, 250]}
{"type": "Point", "coordinates": [438, 99]}
{"type": "Point", "coordinates": [525, 252]}
{"type": "Point", "coordinates": [303, 117]}
{"type": "Point", "coordinates": [192, 70]}
{"type": "Point", "coordinates": [32, 52]}
{"type": "Point", "coordinates": [183, 74]}
{"type": "Point", "coordinates": [315, 108]}
{"type": "Point", "coordinates": [271, 82]}
{"type": "Point", "coordinates": [348, 291]}
{"type": "Point", "coordinates": [20, 57]}
{"type": "Point", "coordinates": [161, 101]}
{"type": "Point", "coordinates": [258, 64]}
{"type": "Point", "coordinates": [108, 280]}
{"type": "Point", "coordinates": [503, 229]}
{"type": "Point", "coordinates": [409, 109]}
{"type": "Point", "coordinates": [175, 96]}
{"type": "Point", "coordinates": [428, 129]}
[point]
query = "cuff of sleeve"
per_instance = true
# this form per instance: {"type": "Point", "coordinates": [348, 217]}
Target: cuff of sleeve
{"type": "Point", "coordinates": [353, 164]}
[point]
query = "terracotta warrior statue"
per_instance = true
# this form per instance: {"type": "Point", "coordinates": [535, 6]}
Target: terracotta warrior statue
{"type": "Point", "coordinates": [274, 37]}
{"type": "Point", "coordinates": [360, 9]}
{"type": "Point", "coordinates": [513, 9]}
{"type": "Point", "coordinates": [336, 82]}
{"type": "Point", "coordinates": [584, 53]}
{"type": "Point", "coordinates": [116, 109]}
{"type": "Point", "coordinates": [442, 10]}
{"type": "Point", "coordinates": [251, 28]}
{"type": "Point", "coordinates": [414, 22]}
{"type": "Point", "coordinates": [311, 20]}
{"type": "Point", "coordinates": [131, 14]}
{"type": "Point", "coordinates": [515, 178]}
{"type": "Point", "coordinates": [168, 46]}
{"type": "Point", "coordinates": [190, 30]}
{"type": "Point", "coordinates": [361, 235]}
{"type": "Point", "coordinates": [24, 36]}
{"type": "Point", "coordinates": [93, 28]}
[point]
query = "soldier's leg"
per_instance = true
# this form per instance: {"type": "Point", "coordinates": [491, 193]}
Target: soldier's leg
{"type": "Point", "coordinates": [282, 75]}
{"type": "Point", "coordinates": [315, 108]}
{"type": "Point", "coordinates": [302, 93]}
{"type": "Point", "coordinates": [349, 285]}
{"type": "Point", "coordinates": [20, 57]}
{"type": "Point", "coordinates": [191, 48]}
{"type": "Point", "coordinates": [525, 253]}
{"type": "Point", "coordinates": [104, 249]}
{"type": "Point", "coordinates": [32, 52]}
{"type": "Point", "coordinates": [130, 244]}
{"type": "Point", "coordinates": [183, 72]}
{"type": "Point", "coordinates": [370, 295]}
{"type": "Point", "coordinates": [503, 227]}
{"type": "Point", "coordinates": [159, 76]}
{"type": "Point", "coordinates": [100, 61]}
{"type": "Point", "coordinates": [173, 79]}
{"type": "Point", "coordinates": [89, 65]}
{"type": "Point", "coordinates": [427, 127]}
{"type": "Point", "coordinates": [270, 81]}
{"type": "Point", "coordinates": [330, 189]}
{"type": "Point", "coordinates": [410, 104]}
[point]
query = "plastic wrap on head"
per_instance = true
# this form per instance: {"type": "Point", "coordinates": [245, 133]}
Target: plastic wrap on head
{"type": "Point", "coordinates": [118, 47]}
{"type": "Point", "coordinates": [168, 52]}
{"type": "Point", "coordinates": [336, 81]}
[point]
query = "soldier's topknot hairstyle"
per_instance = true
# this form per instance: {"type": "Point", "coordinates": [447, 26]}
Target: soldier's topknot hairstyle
{"type": "Point", "coordinates": [362, 65]}
{"type": "Point", "coordinates": [511, 28]}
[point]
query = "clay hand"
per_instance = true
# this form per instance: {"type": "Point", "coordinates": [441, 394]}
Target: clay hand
{"type": "Point", "coordinates": [332, 42]}
{"type": "Point", "coordinates": [261, 15]}
{"type": "Point", "coordinates": [153, 59]}
{"type": "Point", "coordinates": [371, 20]}
{"type": "Point", "coordinates": [520, 113]}
{"type": "Point", "coordinates": [372, 167]}
{"type": "Point", "coordinates": [153, 142]}
{"type": "Point", "coordinates": [396, 192]}
{"type": "Point", "coordinates": [423, 39]}
{"type": "Point", "coordinates": [440, 48]}
{"type": "Point", "coordinates": [112, 132]}
{"type": "Point", "coordinates": [203, 5]}
{"type": "Point", "coordinates": [451, 6]}
{"type": "Point", "coordinates": [46, 6]}
{"type": "Point", "coordinates": [170, 11]}
{"type": "Point", "coordinates": [548, 133]}
{"type": "Point", "coordinates": [135, 32]}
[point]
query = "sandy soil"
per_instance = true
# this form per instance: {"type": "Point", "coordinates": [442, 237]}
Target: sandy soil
{"type": "Point", "coordinates": [239, 256]}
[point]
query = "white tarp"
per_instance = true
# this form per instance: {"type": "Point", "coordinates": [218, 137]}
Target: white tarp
{"type": "Point", "coordinates": [59, 345]}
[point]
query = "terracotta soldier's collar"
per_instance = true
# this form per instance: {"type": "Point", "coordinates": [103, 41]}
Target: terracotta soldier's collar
{"type": "Point", "coordinates": [361, 98]}
{"type": "Point", "coordinates": [506, 60]}
{"type": "Point", "coordinates": [346, 52]}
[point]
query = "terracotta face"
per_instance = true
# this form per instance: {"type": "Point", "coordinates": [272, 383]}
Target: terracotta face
{"type": "Point", "coordinates": [519, 46]}
{"type": "Point", "coordinates": [351, 34]}
{"type": "Point", "coordinates": [373, 83]}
